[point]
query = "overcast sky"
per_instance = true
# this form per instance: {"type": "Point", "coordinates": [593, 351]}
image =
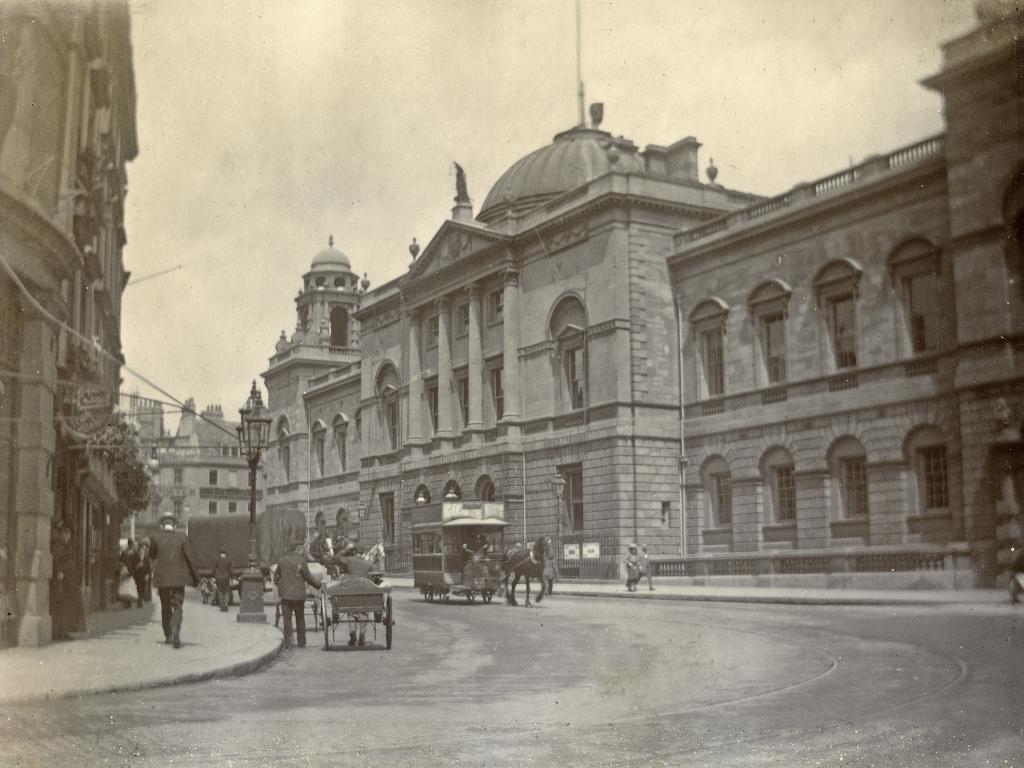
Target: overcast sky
{"type": "Point", "coordinates": [266, 126]}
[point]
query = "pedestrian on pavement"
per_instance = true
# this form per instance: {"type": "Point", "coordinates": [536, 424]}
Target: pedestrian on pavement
{"type": "Point", "coordinates": [173, 569]}
{"type": "Point", "coordinates": [632, 568]}
{"type": "Point", "coordinates": [143, 569]}
{"type": "Point", "coordinates": [223, 573]}
{"type": "Point", "coordinates": [550, 567]}
{"type": "Point", "coordinates": [291, 577]}
{"type": "Point", "coordinates": [1017, 574]}
{"type": "Point", "coordinates": [645, 567]}
{"type": "Point", "coordinates": [66, 605]}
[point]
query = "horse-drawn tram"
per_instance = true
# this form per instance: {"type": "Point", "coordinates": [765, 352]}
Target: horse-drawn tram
{"type": "Point", "coordinates": [457, 549]}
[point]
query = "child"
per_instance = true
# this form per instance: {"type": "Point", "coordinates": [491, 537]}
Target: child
{"type": "Point", "coordinates": [222, 575]}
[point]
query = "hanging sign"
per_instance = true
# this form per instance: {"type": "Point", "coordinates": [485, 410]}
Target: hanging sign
{"type": "Point", "coordinates": [86, 409]}
{"type": "Point", "coordinates": [591, 550]}
{"type": "Point", "coordinates": [571, 551]}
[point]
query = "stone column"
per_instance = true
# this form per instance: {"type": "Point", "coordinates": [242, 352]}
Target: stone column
{"type": "Point", "coordinates": [415, 380]}
{"type": "Point", "coordinates": [476, 364]}
{"type": "Point", "coordinates": [444, 371]}
{"type": "Point", "coordinates": [33, 494]}
{"type": "Point", "coordinates": [510, 357]}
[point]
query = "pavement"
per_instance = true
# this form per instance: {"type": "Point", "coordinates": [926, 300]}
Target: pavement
{"type": "Point", "coordinates": [124, 648]}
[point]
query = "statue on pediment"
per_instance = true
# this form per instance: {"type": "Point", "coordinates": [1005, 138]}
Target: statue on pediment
{"type": "Point", "coordinates": [461, 195]}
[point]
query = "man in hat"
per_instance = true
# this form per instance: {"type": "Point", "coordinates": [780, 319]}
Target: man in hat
{"type": "Point", "coordinates": [645, 567]}
{"type": "Point", "coordinates": [223, 573]}
{"type": "Point", "coordinates": [291, 577]}
{"type": "Point", "coordinates": [173, 569]}
{"type": "Point", "coordinates": [632, 568]}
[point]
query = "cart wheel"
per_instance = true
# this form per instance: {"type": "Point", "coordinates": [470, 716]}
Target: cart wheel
{"type": "Point", "coordinates": [327, 622]}
{"type": "Point", "coordinates": [389, 621]}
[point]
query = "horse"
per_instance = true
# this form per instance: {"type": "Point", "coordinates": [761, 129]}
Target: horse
{"type": "Point", "coordinates": [528, 564]}
{"type": "Point", "coordinates": [375, 555]}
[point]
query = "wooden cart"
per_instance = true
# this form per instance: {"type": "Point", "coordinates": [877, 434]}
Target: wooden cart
{"type": "Point", "coordinates": [355, 598]}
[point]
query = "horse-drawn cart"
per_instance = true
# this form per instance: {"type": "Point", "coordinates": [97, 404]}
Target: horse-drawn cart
{"type": "Point", "coordinates": [457, 550]}
{"type": "Point", "coordinates": [362, 600]}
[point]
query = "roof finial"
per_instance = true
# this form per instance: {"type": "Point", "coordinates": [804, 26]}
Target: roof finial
{"type": "Point", "coordinates": [330, 241]}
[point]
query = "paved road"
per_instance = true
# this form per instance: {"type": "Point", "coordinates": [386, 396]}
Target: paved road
{"type": "Point", "coordinates": [584, 681]}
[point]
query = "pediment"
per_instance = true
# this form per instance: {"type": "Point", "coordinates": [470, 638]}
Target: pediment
{"type": "Point", "coordinates": [454, 243]}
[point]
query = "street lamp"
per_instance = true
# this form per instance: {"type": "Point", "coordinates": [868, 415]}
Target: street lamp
{"type": "Point", "coordinates": [558, 485]}
{"type": "Point", "coordinates": [253, 436]}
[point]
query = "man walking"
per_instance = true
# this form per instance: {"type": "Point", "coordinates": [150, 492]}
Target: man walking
{"type": "Point", "coordinates": [223, 573]}
{"type": "Point", "coordinates": [645, 566]}
{"type": "Point", "coordinates": [550, 568]}
{"type": "Point", "coordinates": [291, 577]}
{"type": "Point", "coordinates": [172, 570]}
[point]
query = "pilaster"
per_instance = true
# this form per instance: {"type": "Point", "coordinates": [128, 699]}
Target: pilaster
{"type": "Point", "coordinates": [476, 423]}
{"type": "Point", "coordinates": [444, 372]}
{"type": "Point", "coordinates": [510, 352]}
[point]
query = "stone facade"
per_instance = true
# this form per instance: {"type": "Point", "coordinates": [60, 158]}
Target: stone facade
{"type": "Point", "coordinates": [890, 293]}
{"type": "Point", "coordinates": [67, 130]}
{"type": "Point", "coordinates": [723, 377]}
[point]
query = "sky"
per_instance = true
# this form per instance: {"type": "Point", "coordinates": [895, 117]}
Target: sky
{"type": "Point", "coordinates": [265, 127]}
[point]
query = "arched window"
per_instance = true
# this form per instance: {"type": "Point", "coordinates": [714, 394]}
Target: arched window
{"type": "Point", "coordinates": [452, 491]}
{"type": "Point", "coordinates": [485, 488]}
{"type": "Point", "coordinates": [340, 428]}
{"type": "Point", "coordinates": [387, 391]}
{"type": "Point", "coordinates": [915, 273]}
{"type": "Point", "coordinates": [319, 438]}
{"type": "Point", "coordinates": [284, 449]}
{"type": "Point", "coordinates": [848, 468]}
{"type": "Point", "coordinates": [836, 285]}
{"type": "Point", "coordinates": [320, 521]}
{"type": "Point", "coordinates": [926, 455]}
{"type": "Point", "coordinates": [768, 305]}
{"type": "Point", "coordinates": [339, 327]}
{"type": "Point", "coordinates": [717, 493]}
{"type": "Point", "coordinates": [780, 496]}
{"type": "Point", "coordinates": [707, 324]}
{"type": "Point", "coordinates": [568, 326]}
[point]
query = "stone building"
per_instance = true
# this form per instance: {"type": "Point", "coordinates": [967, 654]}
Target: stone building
{"type": "Point", "coordinates": [67, 130]}
{"type": "Point", "coordinates": [753, 387]}
{"type": "Point", "coordinates": [199, 470]}
{"type": "Point", "coordinates": [853, 356]}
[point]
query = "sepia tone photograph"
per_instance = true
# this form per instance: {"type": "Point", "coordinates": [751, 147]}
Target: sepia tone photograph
{"type": "Point", "coordinates": [512, 383]}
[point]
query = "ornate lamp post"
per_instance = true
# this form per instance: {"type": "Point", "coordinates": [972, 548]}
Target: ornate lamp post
{"type": "Point", "coordinates": [558, 486]}
{"type": "Point", "coordinates": [253, 437]}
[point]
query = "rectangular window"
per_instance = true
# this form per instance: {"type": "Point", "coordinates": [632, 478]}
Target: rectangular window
{"type": "Point", "coordinates": [495, 305]}
{"type": "Point", "coordinates": [213, 477]}
{"type": "Point", "coordinates": [212, 509]}
{"type": "Point", "coordinates": [179, 510]}
{"type": "Point", "coordinates": [854, 487]}
{"type": "Point", "coordinates": [497, 393]}
{"type": "Point", "coordinates": [232, 507]}
{"type": "Point", "coordinates": [179, 475]}
{"type": "Point", "coordinates": [773, 346]}
{"type": "Point", "coordinates": [462, 389]}
{"type": "Point", "coordinates": [232, 479]}
{"type": "Point", "coordinates": [432, 331]}
{"type": "Point", "coordinates": [722, 485]}
{"type": "Point", "coordinates": [713, 355]}
{"type": "Point", "coordinates": [575, 381]}
{"type": "Point", "coordinates": [387, 514]}
{"type": "Point", "coordinates": [462, 319]}
{"type": "Point", "coordinates": [934, 474]}
{"type": "Point", "coordinates": [432, 405]}
{"type": "Point", "coordinates": [319, 437]}
{"type": "Point", "coordinates": [923, 301]}
{"type": "Point", "coordinates": [843, 326]}
{"type": "Point", "coordinates": [785, 494]}
{"type": "Point", "coordinates": [573, 496]}
{"type": "Point", "coordinates": [666, 513]}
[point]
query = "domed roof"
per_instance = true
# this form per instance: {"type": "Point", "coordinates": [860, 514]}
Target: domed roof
{"type": "Point", "coordinates": [330, 259]}
{"type": "Point", "coordinates": [574, 158]}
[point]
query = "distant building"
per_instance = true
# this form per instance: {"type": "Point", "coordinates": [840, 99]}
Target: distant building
{"type": "Point", "coordinates": [67, 131]}
{"type": "Point", "coordinates": [200, 470]}
{"type": "Point", "coordinates": [824, 382]}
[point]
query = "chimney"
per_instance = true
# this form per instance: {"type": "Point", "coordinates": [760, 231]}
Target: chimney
{"type": "Point", "coordinates": [681, 159]}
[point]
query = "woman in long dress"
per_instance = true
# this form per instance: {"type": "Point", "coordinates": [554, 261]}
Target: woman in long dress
{"type": "Point", "coordinates": [65, 587]}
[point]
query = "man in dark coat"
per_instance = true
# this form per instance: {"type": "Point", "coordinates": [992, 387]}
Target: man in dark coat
{"type": "Point", "coordinates": [173, 569]}
{"type": "Point", "coordinates": [223, 573]}
{"type": "Point", "coordinates": [291, 578]}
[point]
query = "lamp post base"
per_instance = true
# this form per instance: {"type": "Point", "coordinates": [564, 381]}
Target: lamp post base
{"type": "Point", "coordinates": [251, 596]}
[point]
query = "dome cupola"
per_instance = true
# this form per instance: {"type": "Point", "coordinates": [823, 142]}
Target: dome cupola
{"type": "Point", "coordinates": [330, 259]}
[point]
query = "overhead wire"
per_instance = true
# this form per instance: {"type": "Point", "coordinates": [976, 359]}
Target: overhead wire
{"type": "Point", "coordinates": [95, 346]}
